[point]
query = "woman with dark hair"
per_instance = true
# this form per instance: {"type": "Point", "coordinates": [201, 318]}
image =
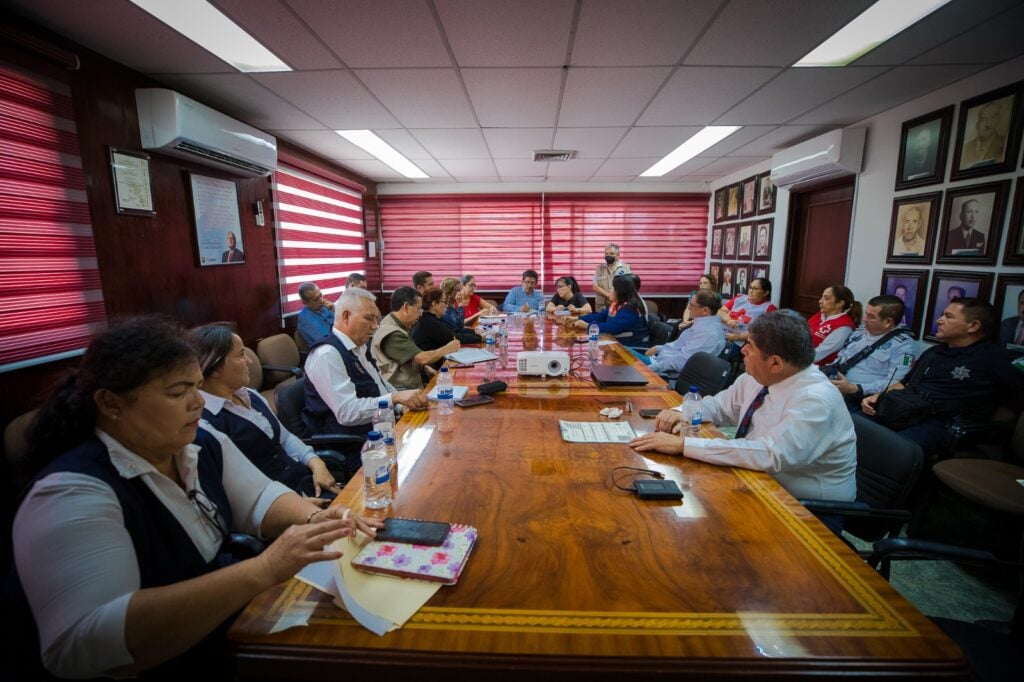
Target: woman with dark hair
{"type": "Point", "coordinates": [455, 317]}
{"type": "Point", "coordinates": [119, 540]}
{"type": "Point", "coordinates": [628, 323]}
{"type": "Point", "coordinates": [469, 301]}
{"type": "Point", "coordinates": [568, 297]}
{"type": "Point", "coordinates": [244, 416]}
{"type": "Point", "coordinates": [430, 331]}
{"type": "Point", "coordinates": [743, 309]}
{"type": "Point", "coordinates": [838, 316]}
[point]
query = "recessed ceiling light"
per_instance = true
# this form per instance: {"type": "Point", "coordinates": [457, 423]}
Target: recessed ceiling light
{"type": "Point", "coordinates": [368, 141]}
{"type": "Point", "coordinates": [874, 26]}
{"type": "Point", "coordinates": [204, 24]}
{"type": "Point", "coordinates": [705, 138]}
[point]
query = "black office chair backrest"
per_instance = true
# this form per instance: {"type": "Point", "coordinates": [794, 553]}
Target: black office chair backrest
{"type": "Point", "coordinates": [660, 332]}
{"type": "Point", "coordinates": [706, 372]}
{"type": "Point", "coordinates": [291, 399]}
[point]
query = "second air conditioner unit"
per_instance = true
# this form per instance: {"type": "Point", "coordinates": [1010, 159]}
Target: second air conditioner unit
{"type": "Point", "coordinates": [822, 158]}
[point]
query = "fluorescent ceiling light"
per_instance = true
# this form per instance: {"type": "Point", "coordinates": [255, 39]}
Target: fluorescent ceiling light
{"type": "Point", "coordinates": [202, 23]}
{"type": "Point", "coordinates": [707, 137]}
{"type": "Point", "coordinates": [368, 141]}
{"type": "Point", "coordinates": [874, 26]}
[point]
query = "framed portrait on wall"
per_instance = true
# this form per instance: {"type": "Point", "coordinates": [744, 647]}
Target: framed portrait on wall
{"type": "Point", "coordinates": [763, 240]}
{"type": "Point", "coordinates": [726, 286]}
{"type": "Point", "coordinates": [720, 205]}
{"type": "Point", "coordinates": [988, 133]}
{"type": "Point", "coordinates": [742, 278]}
{"type": "Point", "coordinates": [924, 143]}
{"type": "Point", "coordinates": [750, 197]}
{"type": "Point", "coordinates": [218, 224]}
{"type": "Point", "coordinates": [1014, 252]}
{"type": "Point", "coordinates": [732, 202]}
{"type": "Point", "coordinates": [766, 191]}
{"type": "Point", "coordinates": [910, 286]}
{"type": "Point", "coordinates": [950, 284]}
{"type": "Point", "coordinates": [729, 242]}
{"type": "Point", "coordinates": [971, 223]}
{"type": "Point", "coordinates": [744, 244]}
{"type": "Point", "coordinates": [1009, 306]}
{"type": "Point", "coordinates": [715, 270]}
{"type": "Point", "coordinates": [716, 242]}
{"type": "Point", "coordinates": [912, 230]}
{"type": "Point", "coordinates": [760, 271]}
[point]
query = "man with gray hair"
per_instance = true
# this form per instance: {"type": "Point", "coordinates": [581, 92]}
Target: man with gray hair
{"type": "Point", "coordinates": [317, 315]}
{"type": "Point", "coordinates": [357, 280]}
{"type": "Point", "coordinates": [791, 422]}
{"type": "Point", "coordinates": [706, 334]}
{"type": "Point", "coordinates": [605, 273]}
{"type": "Point", "coordinates": [343, 385]}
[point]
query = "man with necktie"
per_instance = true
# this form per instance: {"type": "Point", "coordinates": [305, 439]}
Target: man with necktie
{"type": "Point", "coordinates": [1011, 330]}
{"type": "Point", "coordinates": [791, 421]}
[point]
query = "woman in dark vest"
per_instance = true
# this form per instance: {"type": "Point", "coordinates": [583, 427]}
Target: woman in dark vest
{"type": "Point", "coordinates": [118, 540]}
{"type": "Point", "coordinates": [244, 416]}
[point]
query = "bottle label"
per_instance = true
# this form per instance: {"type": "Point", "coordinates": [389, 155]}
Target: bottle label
{"type": "Point", "coordinates": [382, 474]}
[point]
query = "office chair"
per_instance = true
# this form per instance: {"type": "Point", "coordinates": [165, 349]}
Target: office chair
{"type": "Point", "coordinates": [703, 370]}
{"type": "Point", "coordinates": [659, 332]}
{"type": "Point", "coordinates": [300, 343]}
{"type": "Point", "coordinates": [256, 379]}
{"type": "Point", "coordinates": [280, 359]}
{"type": "Point", "coordinates": [340, 448]}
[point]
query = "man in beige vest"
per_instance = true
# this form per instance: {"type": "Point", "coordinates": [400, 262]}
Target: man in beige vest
{"type": "Point", "coordinates": [399, 358]}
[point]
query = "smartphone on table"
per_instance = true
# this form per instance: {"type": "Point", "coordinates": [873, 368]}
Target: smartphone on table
{"type": "Point", "coordinates": [472, 401]}
{"type": "Point", "coordinates": [650, 413]}
{"type": "Point", "coordinates": [413, 531]}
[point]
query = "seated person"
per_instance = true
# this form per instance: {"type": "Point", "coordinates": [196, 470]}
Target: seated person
{"type": "Point", "coordinates": [398, 357]}
{"type": "Point", "coordinates": [880, 353]}
{"type": "Point", "coordinates": [430, 332]}
{"type": "Point", "coordinates": [470, 302]}
{"type": "Point", "coordinates": [119, 543]}
{"type": "Point", "coordinates": [317, 315]}
{"type": "Point", "coordinates": [455, 317]}
{"type": "Point", "coordinates": [705, 333]}
{"type": "Point", "coordinates": [965, 375]}
{"type": "Point", "coordinates": [525, 298]}
{"type": "Point", "coordinates": [707, 281]}
{"type": "Point", "coordinates": [568, 297]}
{"type": "Point", "coordinates": [623, 318]}
{"type": "Point", "coordinates": [357, 280]}
{"type": "Point", "coordinates": [422, 281]}
{"type": "Point", "coordinates": [838, 315]}
{"type": "Point", "coordinates": [242, 415]}
{"type": "Point", "coordinates": [791, 422]}
{"type": "Point", "coordinates": [342, 381]}
{"type": "Point", "coordinates": [740, 311]}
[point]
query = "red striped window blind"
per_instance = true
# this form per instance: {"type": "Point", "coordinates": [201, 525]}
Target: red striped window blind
{"type": "Point", "coordinates": [51, 301]}
{"type": "Point", "coordinates": [319, 235]}
{"type": "Point", "coordinates": [496, 237]}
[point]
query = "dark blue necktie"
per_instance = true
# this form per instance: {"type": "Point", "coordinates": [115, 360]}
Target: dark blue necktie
{"type": "Point", "coordinates": [758, 400]}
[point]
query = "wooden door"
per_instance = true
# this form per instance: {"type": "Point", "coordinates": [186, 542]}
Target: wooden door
{"type": "Point", "coordinates": [817, 244]}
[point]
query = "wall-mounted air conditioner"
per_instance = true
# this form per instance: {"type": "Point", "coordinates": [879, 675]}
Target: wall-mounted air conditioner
{"type": "Point", "coordinates": [827, 156]}
{"type": "Point", "coordinates": [171, 123]}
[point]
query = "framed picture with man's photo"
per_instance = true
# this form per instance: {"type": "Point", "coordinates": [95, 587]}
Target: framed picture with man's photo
{"type": "Point", "coordinates": [715, 270]}
{"type": "Point", "coordinates": [744, 243]}
{"type": "Point", "coordinates": [732, 202]}
{"type": "Point", "coordinates": [1014, 252]}
{"type": "Point", "coordinates": [988, 133]}
{"type": "Point", "coordinates": [910, 286]}
{"type": "Point", "coordinates": [1010, 309]}
{"type": "Point", "coordinates": [912, 231]}
{"type": "Point", "coordinates": [924, 143]}
{"type": "Point", "coordinates": [726, 286]}
{"type": "Point", "coordinates": [763, 239]}
{"type": "Point", "coordinates": [750, 197]}
{"type": "Point", "coordinates": [950, 284]}
{"type": "Point", "coordinates": [759, 271]}
{"type": "Point", "coordinates": [729, 242]}
{"type": "Point", "coordinates": [716, 242]}
{"type": "Point", "coordinates": [766, 191]}
{"type": "Point", "coordinates": [720, 205]}
{"type": "Point", "coordinates": [972, 221]}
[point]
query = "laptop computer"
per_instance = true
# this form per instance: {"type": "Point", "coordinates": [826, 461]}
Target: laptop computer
{"type": "Point", "coordinates": [617, 375]}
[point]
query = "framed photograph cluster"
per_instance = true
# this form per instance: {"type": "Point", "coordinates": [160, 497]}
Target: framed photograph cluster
{"type": "Point", "coordinates": [755, 196]}
{"type": "Point", "coordinates": [739, 255]}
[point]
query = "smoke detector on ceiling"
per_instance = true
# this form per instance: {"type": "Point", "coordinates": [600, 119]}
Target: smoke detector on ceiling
{"type": "Point", "coordinates": [542, 155]}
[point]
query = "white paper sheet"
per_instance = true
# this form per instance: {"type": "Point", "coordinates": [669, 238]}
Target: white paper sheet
{"type": "Point", "coordinates": [596, 432]}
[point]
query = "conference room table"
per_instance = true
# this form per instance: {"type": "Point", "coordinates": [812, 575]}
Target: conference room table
{"type": "Point", "coordinates": [572, 578]}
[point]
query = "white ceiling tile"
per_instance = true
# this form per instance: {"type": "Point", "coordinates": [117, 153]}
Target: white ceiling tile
{"type": "Point", "coordinates": [404, 142]}
{"type": "Point", "coordinates": [692, 165]}
{"type": "Point", "coordinates": [421, 98]}
{"type": "Point", "coordinates": [468, 168]}
{"type": "Point", "coordinates": [520, 167]}
{"type": "Point", "coordinates": [281, 32]}
{"type": "Point", "coordinates": [432, 168]}
{"type": "Point", "coordinates": [730, 164]}
{"type": "Point", "coordinates": [453, 144]}
{"type": "Point", "coordinates": [620, 167]}
{"type": "Point", "coordinates": [795, 92]}
{"type": "Point", "coordinates": [776, 33]}
{"type": "Point", "coordinates": [373, 169]}
{"type": "Point", "coordinates": [643, 142]}
{"type": "Point", "coordinates": [697, 95]}
{"type": "Point", "coordinates": [335, 98]}
{"type": "Point", "coordinates": [371, 33]}
{"type": "Point", "coordinates": [739, 138]}
{"type": "Point", "coordinates": [638, 33]}
{"type": "Point", "coordinates": [778, 139]}
{"type": "Point", "coordinates": [582, 168]}
{"type": "Point", "coordinates": [994, 41]}
{"type": "Point", "coordinates": [608, 97]}
{"type": "Point", "coordinates": [325, 142]}
{"type": "Point", "coordinates": [514, 97]}
{"type": "Point", "coordinates": [239, 96]}
{"type": "Point", "coordinates": [502, 33]}
{"type": "Point", "coordinates": [589, 143]}
{"type": "Point", "coordinates": [612, 178]}
{"type": "Point", "coordinates": [516, 143]}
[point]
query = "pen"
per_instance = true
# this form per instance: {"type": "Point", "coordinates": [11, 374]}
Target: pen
{"type": "Point", "coordinates": [629, 406]}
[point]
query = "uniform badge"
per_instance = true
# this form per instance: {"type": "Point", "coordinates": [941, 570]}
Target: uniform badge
{"type": "Point", "coordinates": [960, 373]}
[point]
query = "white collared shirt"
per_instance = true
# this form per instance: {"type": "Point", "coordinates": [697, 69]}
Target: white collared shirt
{"type": "Point", "coordinates": [325, 369]}
{"type": "Point", "coordinates": [290, 443]}
{"type": "Point", "coordinates": [77, 562]}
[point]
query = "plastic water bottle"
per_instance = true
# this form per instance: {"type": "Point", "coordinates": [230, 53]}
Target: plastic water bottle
{"type": "Point", "coordinates": [503, 334]}
{"type": "Point", "coordinates": [489, 343]}
{"type": "Point", "coordinates": [389, 447]}
{"type": "Point", "coordinates": [445, 392]}
{"type": "Point", "coordinates": [595, 333]}
{"type": "Point", "coordinates": [691, 413]}
{"type": "Point", "coordinates": [376, 473]}
{"type": "Point", "coordinates": [383, 421]}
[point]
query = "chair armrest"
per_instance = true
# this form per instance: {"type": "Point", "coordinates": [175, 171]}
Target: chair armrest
{"type": "Point", "coordinates": [854, 509]}
{"type": "Point", "coordinates": [333, 441]}
{"type": "Point", "coordinates": [294, 371]}
{"type": "Point", "coordinates": [913, 549]}
{"type": "Point", "coordinates": [244, 546]}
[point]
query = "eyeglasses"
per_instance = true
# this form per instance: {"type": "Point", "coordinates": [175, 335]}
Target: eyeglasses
{"type": "Point", "coordinates": [210, 511]}
{"type": "Point", "coordinates": [753, 288]}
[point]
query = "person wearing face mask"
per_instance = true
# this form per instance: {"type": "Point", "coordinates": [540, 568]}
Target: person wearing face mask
{"type": "Point", "coordinates": [605, 273]}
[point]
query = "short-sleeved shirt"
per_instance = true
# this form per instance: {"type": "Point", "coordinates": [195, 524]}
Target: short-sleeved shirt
{"type": "Point", "coordinates": [577, 300]}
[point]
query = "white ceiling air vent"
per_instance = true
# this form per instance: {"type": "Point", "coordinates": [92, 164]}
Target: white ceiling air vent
{"type": "Point", "coordinates": [542, 155]}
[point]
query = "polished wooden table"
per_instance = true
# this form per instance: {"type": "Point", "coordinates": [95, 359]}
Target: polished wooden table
{"type": "Point", "coordinates": [572, 578]}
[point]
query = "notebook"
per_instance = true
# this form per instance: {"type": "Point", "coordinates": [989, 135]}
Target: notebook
{"type": "Point", "coordinates": [469, 356]}
{"type": "Point", "coordinates": [458, 392]}
{"type": "Point", "coordinates": [442, 564]}
{"type": "Point", "coordinates": [617, 375]}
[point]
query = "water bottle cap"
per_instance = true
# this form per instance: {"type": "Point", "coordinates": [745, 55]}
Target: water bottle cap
{"type": "Point", "coordinates": [694, 389]}
{"type": "Point", "coordinates": [373, 435]}
{"type": "Point", "coordinates": [382, 403]}
{"type": "Point", "coordinates": [444, 370]}
{"type": "Point", "coordinates": [389, 440]}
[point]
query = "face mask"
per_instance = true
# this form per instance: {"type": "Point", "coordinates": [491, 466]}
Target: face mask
{"type": "Point", "coordinates": [609, 259]}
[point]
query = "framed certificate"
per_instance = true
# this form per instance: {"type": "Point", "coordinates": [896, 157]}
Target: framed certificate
{"type": "Point", "coordinates": [133, 190]}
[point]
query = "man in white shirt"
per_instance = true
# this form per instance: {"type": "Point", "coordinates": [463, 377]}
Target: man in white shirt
{"type": "Point", "coordinates": [706, 334]}
{"type": "Point", "coordinates": [792, 423]}
{"type": "Point", "coordinates": [343, 385]}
